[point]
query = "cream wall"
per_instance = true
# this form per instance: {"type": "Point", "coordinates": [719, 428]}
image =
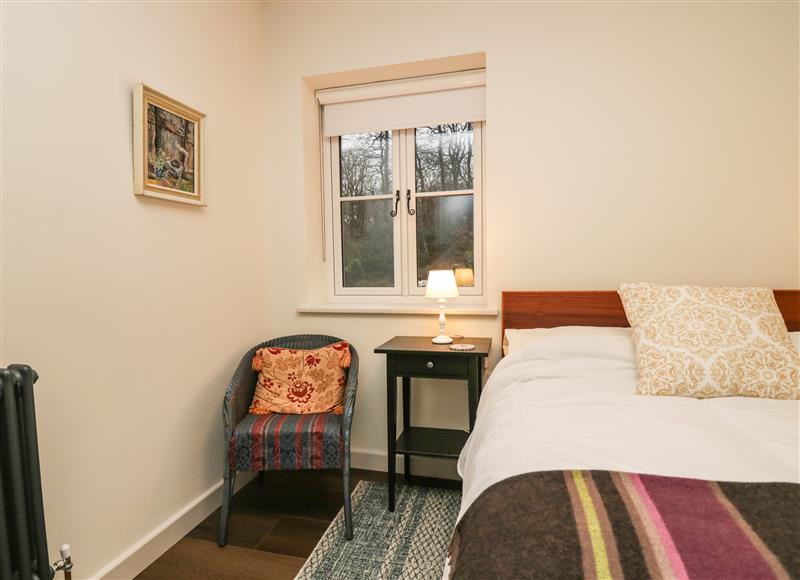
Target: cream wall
{"type": "Point", "coordinates": [624, 142]}
{"type": "Point", "coordinates": [653, 141]}
{"type": "Point", "coordinates": [133, 311]}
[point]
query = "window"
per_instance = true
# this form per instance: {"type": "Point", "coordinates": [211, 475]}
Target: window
{"type": "Point", "coordinates": [443, 231]}
{"type": "Point", "coordinates": [367, 237]}
{"type": "Point", "coordinates": [405, 201]}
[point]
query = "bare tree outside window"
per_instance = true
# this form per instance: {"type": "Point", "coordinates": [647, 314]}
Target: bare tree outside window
{"type": "Point", "coordinates": [435, 213]}
{"type": "Point", "coordinates": [445, 226]}
{"type": "Point", "coordinates": [443, 157]}
{"type": "Point", "coordinates": [365, 169]}
{"type": "Point", "coordinates": [365, 164]}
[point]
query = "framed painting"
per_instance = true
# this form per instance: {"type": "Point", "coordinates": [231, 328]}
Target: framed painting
{"type": "Point", "coordinates": [168, 148]}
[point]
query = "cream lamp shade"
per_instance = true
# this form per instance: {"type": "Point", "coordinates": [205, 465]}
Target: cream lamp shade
{"type": "Point", "coordinates": [441, 284]}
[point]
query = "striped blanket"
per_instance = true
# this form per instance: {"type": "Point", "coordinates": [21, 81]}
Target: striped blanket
{"type": "Point", "coordinates": [600, 524]}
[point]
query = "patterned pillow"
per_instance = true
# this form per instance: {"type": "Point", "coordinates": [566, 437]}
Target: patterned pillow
{"type": "Point", "coordinates": [710, 342]}
{"type": "Point", "coordinates": [298, 382]}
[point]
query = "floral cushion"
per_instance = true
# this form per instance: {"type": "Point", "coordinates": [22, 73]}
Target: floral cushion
{"type": "Point", "coordinates": [300, 381]}
{"type": "Point", "coordinates": [710, 342]}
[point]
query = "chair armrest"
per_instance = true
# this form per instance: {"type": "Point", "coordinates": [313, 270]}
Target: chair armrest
{"type": "Point", "coordinates": [238, 396]}
{"type": "Point", "coordinates": [350, 394]}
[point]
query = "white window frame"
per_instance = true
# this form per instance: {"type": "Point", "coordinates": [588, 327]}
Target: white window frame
{"type": "Point", "coordinates": [337, 199]}
{"type": "Point", "coordinates": [404, 232]}
{"type": "Point", "coordinates": [410, 273]}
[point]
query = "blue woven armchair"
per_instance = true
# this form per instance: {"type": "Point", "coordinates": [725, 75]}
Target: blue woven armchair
{"type": "Point", "coordinates": [270, 442]}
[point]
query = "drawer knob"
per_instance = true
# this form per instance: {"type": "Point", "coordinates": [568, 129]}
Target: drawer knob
{"type": "Point", "coordinates": [429, 364]}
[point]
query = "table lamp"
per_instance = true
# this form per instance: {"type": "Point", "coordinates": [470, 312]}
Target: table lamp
{"type": "Point", "coordinates": [441, 285]}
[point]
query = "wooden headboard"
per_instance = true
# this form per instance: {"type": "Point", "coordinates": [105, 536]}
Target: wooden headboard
{"type": "Point", "coordinates": [597, 308]}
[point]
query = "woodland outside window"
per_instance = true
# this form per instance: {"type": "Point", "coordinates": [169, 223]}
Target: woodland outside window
{"type": "Point", "coordinates": [403, 201]}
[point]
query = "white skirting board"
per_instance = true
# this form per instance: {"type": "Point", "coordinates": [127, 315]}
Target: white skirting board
{"type": "Point", "coordinates": [147, 550]}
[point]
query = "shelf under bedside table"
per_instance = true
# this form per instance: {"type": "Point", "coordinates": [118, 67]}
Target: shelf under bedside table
{"type": "Point", "coordinates": [431, 442]}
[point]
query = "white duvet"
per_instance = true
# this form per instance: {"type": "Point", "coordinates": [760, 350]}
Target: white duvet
{"type": "Point", "coordinates": [569, 403]}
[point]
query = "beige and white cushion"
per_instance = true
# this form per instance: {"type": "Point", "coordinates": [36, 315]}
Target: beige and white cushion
{"type": "Point", "coordinates": [710, 342]}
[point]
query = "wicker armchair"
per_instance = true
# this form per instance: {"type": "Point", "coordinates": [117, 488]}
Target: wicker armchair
{"type": "Point", "coordinates": [326, 440]}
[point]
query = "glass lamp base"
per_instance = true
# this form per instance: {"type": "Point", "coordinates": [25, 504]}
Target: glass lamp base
{"type": "Point", "coordinates": [442, 339]}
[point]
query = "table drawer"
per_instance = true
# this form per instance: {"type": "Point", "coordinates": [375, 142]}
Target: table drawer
{"type": "Point", "coordinates": [432, 366]}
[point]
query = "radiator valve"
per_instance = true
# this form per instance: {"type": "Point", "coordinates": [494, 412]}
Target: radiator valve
{"type": "Point", "coordinates": [65, 563]}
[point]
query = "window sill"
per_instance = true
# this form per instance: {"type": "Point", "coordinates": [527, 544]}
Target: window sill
{"type": "Point", "coordinates": [403, 309]}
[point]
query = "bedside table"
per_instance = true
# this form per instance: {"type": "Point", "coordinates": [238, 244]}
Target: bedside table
{"type": "Point", "coordinates": [417, 356]}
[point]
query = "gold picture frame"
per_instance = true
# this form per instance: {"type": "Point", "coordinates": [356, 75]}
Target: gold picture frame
{"type": "Point", "coordinates": [168, 148]}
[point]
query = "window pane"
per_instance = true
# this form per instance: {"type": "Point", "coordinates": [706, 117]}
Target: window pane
{"type": "Point", "coordinates": [365, 164]}
{"type": "Point", "coordinates": [445, 236]}
{"type": "Point", "coordinates": [367, 244]}
{"type": "Point", "coordinates": [444, 157]}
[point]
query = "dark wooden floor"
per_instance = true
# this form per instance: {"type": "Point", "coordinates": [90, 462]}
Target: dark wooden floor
{"type": "Point", "coordinates": [274, 526]}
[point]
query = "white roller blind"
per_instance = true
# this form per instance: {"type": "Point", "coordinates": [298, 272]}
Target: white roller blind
{"type": "Point", "coordinates": [418, 102]}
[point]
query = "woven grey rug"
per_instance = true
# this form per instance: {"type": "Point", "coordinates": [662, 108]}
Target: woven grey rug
{"type": "Point", "coordinates": [410, 543]}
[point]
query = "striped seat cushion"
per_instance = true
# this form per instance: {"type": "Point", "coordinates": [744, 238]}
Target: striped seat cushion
{"type": "Point", "coordinates": [277, 441]}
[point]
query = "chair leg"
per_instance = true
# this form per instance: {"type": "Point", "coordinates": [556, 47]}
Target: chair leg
{"type": "Point", "coordinates": [225, 513]}
{"type": "Point", "coordinates": [348, 511]}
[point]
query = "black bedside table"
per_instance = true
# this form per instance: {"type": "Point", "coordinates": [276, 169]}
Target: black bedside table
{"type": "Point", "coordinates": [417, 356]}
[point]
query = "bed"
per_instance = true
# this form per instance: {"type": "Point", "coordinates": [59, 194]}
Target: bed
{"type": "Point", "coordinates": [568, 473]}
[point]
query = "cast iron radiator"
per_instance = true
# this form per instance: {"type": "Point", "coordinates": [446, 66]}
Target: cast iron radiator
{"type": "Point", "coordinates": [23, 543]}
